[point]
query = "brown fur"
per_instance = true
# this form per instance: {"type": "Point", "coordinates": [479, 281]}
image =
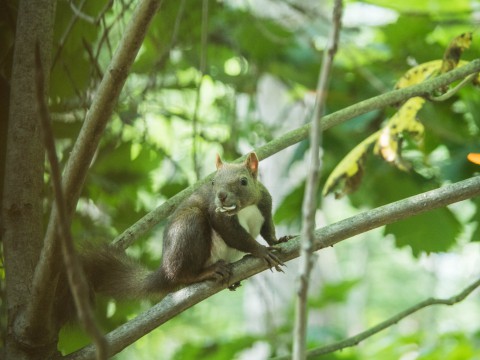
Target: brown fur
{"type": "Point", "coordinates": [187, 238]}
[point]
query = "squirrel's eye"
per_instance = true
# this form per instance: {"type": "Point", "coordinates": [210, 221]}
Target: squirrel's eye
{"type": "Point", "coordinates": [244, 181]}
{"type": "Point", "coordinates": [213, 181]}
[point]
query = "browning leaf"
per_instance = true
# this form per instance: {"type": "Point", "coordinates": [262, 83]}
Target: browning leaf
{"type": "Point", "coordinates": [457, 46]}
{"type": "Point", "coordinates": [346, 176]}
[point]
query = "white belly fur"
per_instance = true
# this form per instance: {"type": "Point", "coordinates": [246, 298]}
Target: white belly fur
{"type": "Point", "coordinates": [251, 220]}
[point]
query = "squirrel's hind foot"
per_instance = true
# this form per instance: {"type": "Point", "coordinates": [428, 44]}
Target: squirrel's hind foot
{"type": "Point", "coordinates": [218, 272]}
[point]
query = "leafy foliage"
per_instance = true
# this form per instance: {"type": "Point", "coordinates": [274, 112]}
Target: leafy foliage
{"type": "Point", "coordinates": [345, 178]}
{"type": "Point", "coordinates": [152, 149]}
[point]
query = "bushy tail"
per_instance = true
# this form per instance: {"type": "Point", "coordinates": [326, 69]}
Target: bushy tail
{"type": "Point", "coordinates": [111, 272]}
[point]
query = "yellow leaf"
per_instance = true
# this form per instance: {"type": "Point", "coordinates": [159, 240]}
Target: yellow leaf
{"type": "Point", "coordinates": [419, 73]}
{"type": "Point", "coordinates": [346, 176]}
{"type": "Point", "coordinates": [403, 121]}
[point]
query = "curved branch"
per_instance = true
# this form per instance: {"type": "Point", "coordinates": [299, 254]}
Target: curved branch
{"type": "Point", "coordinates": [290, 138]}
{"type": "Point", "coordinates": [355, 340]}
{"type": "Point", "coordinates": [175, 303]}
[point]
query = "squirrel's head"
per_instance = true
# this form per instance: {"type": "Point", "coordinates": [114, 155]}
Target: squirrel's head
{"type": "Point", "coordinates": [235, 185]}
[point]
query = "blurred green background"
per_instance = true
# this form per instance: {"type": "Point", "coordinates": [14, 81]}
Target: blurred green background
{"type": "Point", "coordinates": [250, 78]}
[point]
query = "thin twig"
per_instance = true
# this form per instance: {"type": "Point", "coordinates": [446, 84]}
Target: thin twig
{"type": "Point", "coordinates": [65, 35]}
{"type": "Point", "coordinates": [94, 60]}
{"type": "Point", "coordinates": [355, 340]}
{"type": "Point", "coordinates": [310, 197]}
{"type": "Point", "coordinates": [162, 59]}
{"type": "Point", "coordinates": [105, 38]}
{"type": "Point", "coordinates": [153, 218]}
{"type": "Point", "coordinates": [175, 303]}
{"type": "Point", "coordinates": [453, 91]}
{"type": "Point", "coordinates": [81, 15]}
{"type": "Point", "coordinates": [76, 277]}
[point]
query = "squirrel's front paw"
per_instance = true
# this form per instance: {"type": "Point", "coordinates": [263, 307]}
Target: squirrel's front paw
{"type": "Point", "coordinates": [271, 259]}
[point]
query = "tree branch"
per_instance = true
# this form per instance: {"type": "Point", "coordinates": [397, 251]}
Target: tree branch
{"type": "Point", "coordinates": [87, 143]}
{"type": "Point", "coordinates": [76, 277]}
{"type": "Point", "coordinates": [309, 208]}
{"type": "Point", "coordinates": [290, 138]}
{"type": "Point", "coordinates": [22, 207]}
{"type": "Point", "coordinates": [355, 340]}
{"type": "Point", "coordinates": [175, 303]}
{"type": "Point", "coordinates": [469, 79]}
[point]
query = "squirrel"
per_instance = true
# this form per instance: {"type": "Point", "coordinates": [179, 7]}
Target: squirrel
{"type": "Point", "coordinates": [213, 227]}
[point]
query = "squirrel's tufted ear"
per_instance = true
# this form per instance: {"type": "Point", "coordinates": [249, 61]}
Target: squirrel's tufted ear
{"type": "Point", "coordinates": [251, 163]}
{"type": "Point", "coordinates": [218, 161]}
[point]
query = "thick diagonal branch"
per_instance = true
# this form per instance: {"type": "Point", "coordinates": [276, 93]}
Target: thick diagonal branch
{"type": "Point", "coordinates": [327, 236]}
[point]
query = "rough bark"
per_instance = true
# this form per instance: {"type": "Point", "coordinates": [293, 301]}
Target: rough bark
{"type": "Point", "coordinates": [22, 215]}
{"type": "Point", "coordinates": [87, 142]}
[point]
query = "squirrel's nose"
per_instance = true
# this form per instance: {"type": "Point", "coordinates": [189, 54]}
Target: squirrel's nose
{"type": "Point", "coordinates": [222, 196]}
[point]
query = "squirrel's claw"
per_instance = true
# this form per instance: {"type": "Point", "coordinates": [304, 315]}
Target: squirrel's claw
{"type": "Point", "coordinates": [272, 260]}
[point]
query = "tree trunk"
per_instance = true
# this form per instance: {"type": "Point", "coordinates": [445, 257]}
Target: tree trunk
{"type": "Point", "coordinates": [22, 214]}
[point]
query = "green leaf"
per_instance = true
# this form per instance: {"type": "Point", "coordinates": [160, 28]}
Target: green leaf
{"type": "Point", "coordinates": [172, 188]}
{"type": "Point", "coordinates": [434, 231]}
{"type": "Point", "coordinates": [289, 210]}
{"type": "Point", "coordinates": [434, 7]}
{"type": "Point", "coordinates": [333, 293]}
{"type": "Point", "coordinates": [476, 218]}
{"type": "Point", "coordinates": [214, 350]}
